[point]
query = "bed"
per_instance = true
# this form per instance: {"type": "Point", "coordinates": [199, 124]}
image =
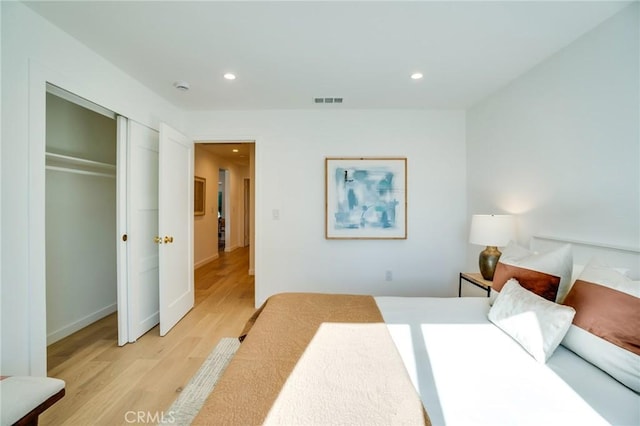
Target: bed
{"type": "Point", "coordinates": [352, 359]}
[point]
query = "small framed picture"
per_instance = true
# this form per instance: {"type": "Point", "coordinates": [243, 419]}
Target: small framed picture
{"type": "Point", "coordinates": [366, 198]}
{"type": "Point", "coordinates": [199, 195]}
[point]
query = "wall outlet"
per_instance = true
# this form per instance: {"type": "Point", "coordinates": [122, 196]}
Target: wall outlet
{"type": "Point", "coordinates": [388, 276]}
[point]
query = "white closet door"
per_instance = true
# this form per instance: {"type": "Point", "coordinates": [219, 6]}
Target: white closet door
{"type": "Point", "coordinates": [142, 218]}
{"type": "Point", "coordinates": [121, 229]}
{"type": "Point", "coordinates": [175, 226]}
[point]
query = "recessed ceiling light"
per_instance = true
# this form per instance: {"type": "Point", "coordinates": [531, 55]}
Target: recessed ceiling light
{"type": "Point", "coordinates": [416, 75]}
{"type": "Point", "coordinates": [230, 76]}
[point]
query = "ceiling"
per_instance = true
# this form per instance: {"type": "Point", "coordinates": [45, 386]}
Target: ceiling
{"type": "Point", "coordinates": [237, 153]}
{"type": "Point", "coordinates": [286, 53]}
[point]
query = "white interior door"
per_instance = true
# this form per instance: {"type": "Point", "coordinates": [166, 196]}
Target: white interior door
{"type": "Point", "coordinates": [142, 218]}
{"type": "Point", "coordinates": [137, 199]}
{"type": "Point", "coordinates": [175, 227]}
{"type": "Point", "coordinates": [121, 226]}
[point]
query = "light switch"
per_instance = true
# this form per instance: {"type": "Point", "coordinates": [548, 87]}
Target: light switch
{"type": "Point", "coordinates": [275, 213]}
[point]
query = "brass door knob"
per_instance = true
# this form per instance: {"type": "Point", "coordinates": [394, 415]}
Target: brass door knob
{"type": "Point", "coordinates": [157, 240]}
{"type": "Point", "coordinates": [168, 240]}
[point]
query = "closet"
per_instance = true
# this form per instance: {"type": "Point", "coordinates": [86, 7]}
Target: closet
{"type": "Point", "coordinates": [81, 270]}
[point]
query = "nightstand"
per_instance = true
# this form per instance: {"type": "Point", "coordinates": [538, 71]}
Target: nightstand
{"type": "Point", "coordinates": [476, 279]}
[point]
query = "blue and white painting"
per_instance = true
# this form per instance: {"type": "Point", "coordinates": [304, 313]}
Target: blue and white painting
{"type": "Point", "coordinates": [366, 198]}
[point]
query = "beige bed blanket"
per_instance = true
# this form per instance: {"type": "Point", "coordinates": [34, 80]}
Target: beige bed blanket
{"type": "Point", "coordinates": [315, 359]}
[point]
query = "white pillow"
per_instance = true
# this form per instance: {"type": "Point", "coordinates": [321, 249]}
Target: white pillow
{"type": "Point", "coordinates": [537, 324]}
{"type": "Point", "coordinates": [578, 268]}
{"type": "Point", "coordinates": [598, 272]}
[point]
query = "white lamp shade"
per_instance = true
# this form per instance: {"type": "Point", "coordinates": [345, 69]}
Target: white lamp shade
{"type": "Point", "coordinates": [492, 230]}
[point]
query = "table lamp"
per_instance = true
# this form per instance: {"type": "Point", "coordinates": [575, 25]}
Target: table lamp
{"type": "Point", "coordinates": [491, 231]}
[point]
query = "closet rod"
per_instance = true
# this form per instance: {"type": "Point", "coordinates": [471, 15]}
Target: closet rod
{"type": "Point", "coordinates": [81, 172]}
{"type": "Point", "coordinates": [58, 158]}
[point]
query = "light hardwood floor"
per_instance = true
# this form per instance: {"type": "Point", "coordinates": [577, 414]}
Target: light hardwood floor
{"type": "Point", "coordinates": [111, 385]}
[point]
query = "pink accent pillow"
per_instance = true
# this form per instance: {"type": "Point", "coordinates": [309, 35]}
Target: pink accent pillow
{"type": "Point", "coordinates": [605, 330]}
{"type": "Point", "coordinates": [546, 274]}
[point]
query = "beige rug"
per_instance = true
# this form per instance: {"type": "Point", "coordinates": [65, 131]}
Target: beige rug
{"type": "Point", "coordinates": [188, 403]}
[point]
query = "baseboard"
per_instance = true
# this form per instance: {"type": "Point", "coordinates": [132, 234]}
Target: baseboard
{"type": "Point", "coordinates": [205, 261]}
{"type": "Point", "coordinates": [231, 248]}
{"type": "Point", "coordinates": [69, 329]}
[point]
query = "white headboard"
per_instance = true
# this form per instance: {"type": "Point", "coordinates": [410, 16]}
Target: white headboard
{"type": "Point", "coordinates": [583, 251]}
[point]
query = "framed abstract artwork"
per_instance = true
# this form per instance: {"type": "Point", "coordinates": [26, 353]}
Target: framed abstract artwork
{"type": "Point", "coordinates": [366, 198]}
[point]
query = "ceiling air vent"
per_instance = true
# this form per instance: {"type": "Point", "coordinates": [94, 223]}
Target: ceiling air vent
{"type": "Point", "coordinates": [327, 100]}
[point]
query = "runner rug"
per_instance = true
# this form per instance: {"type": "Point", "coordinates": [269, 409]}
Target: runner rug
{"type": "Point", "coordinates": [188, 403]}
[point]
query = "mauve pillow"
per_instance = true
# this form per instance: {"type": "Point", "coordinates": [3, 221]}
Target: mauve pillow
{"type": "Point", "coordinates": [606, 328]}
{"type": "Point", "coordinates": [546, 274]}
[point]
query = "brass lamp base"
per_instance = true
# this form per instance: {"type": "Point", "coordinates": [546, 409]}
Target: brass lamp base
{"type": "Point", "coordinates": [488, 261]}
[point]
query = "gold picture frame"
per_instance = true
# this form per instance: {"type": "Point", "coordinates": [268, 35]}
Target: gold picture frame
{"type": "Point", "coordinates": [199, 196]}
{"type": "Point", "coordinates": [366, 198]}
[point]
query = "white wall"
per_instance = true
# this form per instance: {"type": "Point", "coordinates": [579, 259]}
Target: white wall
{"type": "Point", "coordinates": [292, 253]}
{"type": "Point", "coordinates": [560, 146]}
{"type": "Point", "coordinates": [34, 51]}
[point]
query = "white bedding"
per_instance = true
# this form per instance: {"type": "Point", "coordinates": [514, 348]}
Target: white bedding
{"type": "Point", "coordinates": [356, 353]}
{"type": "Point", "coordinates": [468, 372]}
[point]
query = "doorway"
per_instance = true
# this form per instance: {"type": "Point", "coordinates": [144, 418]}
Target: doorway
{"type": "Point", "coordinates": [222, 213]}
{"type": "Point", "coordinates": [228, 219]}
{"type": "Point", "coordinates": [247, 211]}
{"type": "Point", "coordinates": [178, 157]}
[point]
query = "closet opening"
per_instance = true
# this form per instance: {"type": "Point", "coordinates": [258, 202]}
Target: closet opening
{"type": "Point", "coordinates": [80, 215]}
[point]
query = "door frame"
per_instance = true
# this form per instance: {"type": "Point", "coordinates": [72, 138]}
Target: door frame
{"type": "Point", "coordinates": [36, 273]}
{"type": "Point", "coordinates": [39, 77]}
{"type": "Point", "coordinates": [36, 305]}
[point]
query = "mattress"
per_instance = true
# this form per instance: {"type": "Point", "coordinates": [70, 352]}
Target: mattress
{"type": "Point", "coordinates": [467, 371]}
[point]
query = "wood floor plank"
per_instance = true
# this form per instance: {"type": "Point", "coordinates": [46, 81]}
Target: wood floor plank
{"type": "Point", "coordinates": [110, 385]}
{"type": "Point", "coordinates": [109, 395]}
